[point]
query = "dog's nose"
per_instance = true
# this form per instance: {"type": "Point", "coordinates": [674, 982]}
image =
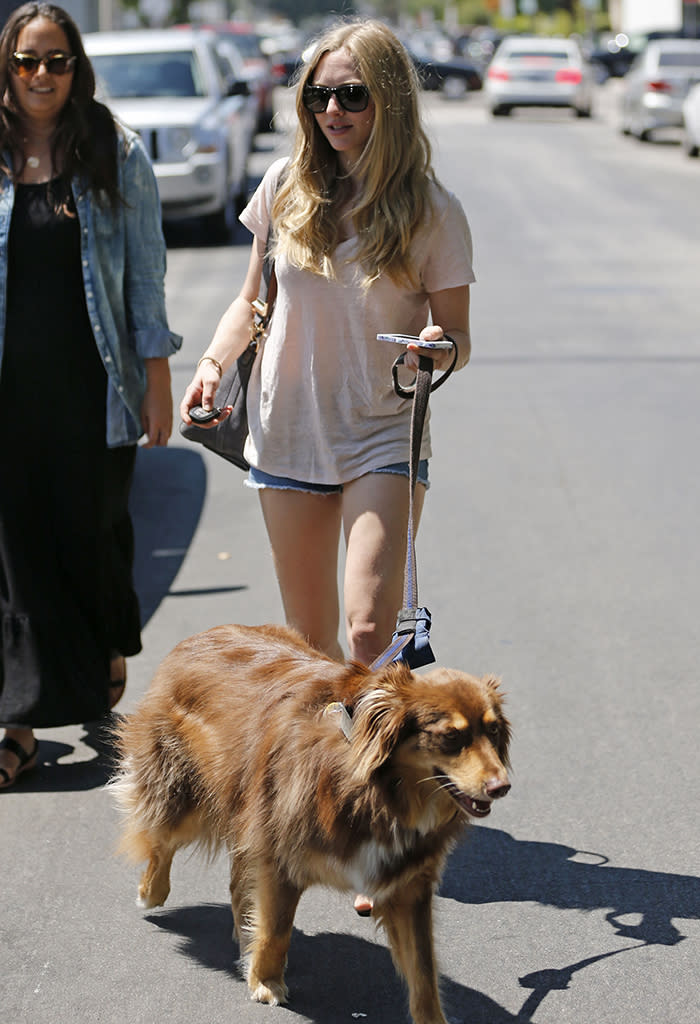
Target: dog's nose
{"type": "Point", "coordinates": [496, 788]}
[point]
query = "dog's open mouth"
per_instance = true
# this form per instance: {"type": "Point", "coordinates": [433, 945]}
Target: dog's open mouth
{"type": "Point", "coordinates": [477, 808]}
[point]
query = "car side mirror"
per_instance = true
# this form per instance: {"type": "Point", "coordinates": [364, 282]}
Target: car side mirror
{"type": "Point", "coordinates": [238, 87]}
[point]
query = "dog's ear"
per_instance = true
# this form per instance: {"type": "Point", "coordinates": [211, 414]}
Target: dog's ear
{"type": "Point", "coordinates": [380, 721]}
{"type": "Point", "coordinates": [493, 685]}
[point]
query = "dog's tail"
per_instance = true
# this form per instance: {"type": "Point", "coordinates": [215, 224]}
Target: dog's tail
{"type": "Point", "coordinates": [155, 792]}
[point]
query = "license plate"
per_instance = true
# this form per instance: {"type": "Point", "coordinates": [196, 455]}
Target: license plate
{"type": "Point", "coordinates": [534, 76]}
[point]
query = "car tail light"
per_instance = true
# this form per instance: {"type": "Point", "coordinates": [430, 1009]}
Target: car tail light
{"type": "Point", "coordinates": [499, 73]}
{"type": "Point", "coordinates": [658, 85]}
{"type": "Point", "coordinates": [571, 75]}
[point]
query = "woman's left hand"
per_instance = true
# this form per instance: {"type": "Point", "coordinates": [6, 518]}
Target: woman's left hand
{"type": "Point", "coordinates": [441, 357]}
{"type": "Point", "coordinates": [157, 407]}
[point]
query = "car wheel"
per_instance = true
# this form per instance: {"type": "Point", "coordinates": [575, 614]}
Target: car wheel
{"type": "Point", "coordinates": [600, 72]}
{"type": "Point", "coordinates": [266, 121]}
{"type": "Point", "coordinates": [690, 148]}
{"type": "Point", "coordinates": [241, 201]}
{"type": "Point", "coordinates": [583, 112]}
{"type": "Point", "coordinates": [454, 87]}
{"type": "Point", "coordinates": [216, 226]}
{"type": "Point", "coordinates": [501, 110]}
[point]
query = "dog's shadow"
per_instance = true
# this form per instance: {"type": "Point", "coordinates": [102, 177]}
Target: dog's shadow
{"type": "Point", "coordinates": [488, 866]}
{"type": "Point", "coordinates": [330, 976]}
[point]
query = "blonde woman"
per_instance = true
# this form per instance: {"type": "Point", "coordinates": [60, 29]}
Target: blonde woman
{"type": "Point", "coordinates": [366, 241]}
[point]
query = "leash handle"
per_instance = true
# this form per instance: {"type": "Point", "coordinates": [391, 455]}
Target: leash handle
{"type": "Point", "coordinates": [409, 390]}
{"type": "Point", "coordinates": [420, 393]}
{"type": "Point", "coordinates": [411, 640]}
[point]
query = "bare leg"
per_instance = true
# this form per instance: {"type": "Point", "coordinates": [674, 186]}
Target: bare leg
{"type": "Point", "coordinates": [375, 519]}
{"type": "Point", "coordinates": [304, 532]}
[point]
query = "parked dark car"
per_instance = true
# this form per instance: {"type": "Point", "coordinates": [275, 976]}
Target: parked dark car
{"type": "Point", "coordinates": [454, 77]}
{"type": "Point", "coordinates": [612, 57]}
{"type": "Point", "coordinates": [286, 67]}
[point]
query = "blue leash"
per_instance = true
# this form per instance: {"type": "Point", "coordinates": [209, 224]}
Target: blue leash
{"type": "Point", "coordinates": [411, 640]}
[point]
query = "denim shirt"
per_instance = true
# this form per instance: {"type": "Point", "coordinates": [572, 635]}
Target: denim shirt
{"type": "Point", "coordinates": [123, 262]}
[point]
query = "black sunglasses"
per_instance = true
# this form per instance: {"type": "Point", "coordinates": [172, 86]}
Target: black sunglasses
{"type": "Point", "coordinates": [352, 97]}
{"type": "Point", "coordinates": [26, 64]}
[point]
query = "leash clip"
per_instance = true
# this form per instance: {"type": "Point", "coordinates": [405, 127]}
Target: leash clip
{"type": "Point", "coordinates": [414, 623]}
{"type": "Point", "coordinates": [339, 713]}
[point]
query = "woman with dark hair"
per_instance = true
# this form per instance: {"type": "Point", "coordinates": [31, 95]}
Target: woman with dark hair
{"type": "Point", "coordinates": [84, 347]}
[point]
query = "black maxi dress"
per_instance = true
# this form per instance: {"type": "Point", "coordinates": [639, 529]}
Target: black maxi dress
{"type": "Point", "coordinates": [66, 542]}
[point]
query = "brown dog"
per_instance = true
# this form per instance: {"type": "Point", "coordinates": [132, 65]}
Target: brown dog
{"type": "Point", "coordinates": [235, 745]}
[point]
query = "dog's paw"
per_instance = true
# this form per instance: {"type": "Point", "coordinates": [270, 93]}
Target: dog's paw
{"type": "Point", "coordinates": [147, 899]}
{"type": "Point", "coordinates": [271, 992]}
{"type": "Point", "coordinates": [144, 904]}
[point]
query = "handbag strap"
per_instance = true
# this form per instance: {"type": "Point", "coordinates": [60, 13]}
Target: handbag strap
{"type": "Point", "coordinates": [264, 304]}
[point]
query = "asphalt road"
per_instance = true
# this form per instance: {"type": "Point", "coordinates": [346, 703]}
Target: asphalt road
{"type": "Point", "coordinates": [558, 549]}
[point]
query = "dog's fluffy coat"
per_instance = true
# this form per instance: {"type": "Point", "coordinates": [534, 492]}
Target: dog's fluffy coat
{"type": "Point", "coordinates": [231, 747]}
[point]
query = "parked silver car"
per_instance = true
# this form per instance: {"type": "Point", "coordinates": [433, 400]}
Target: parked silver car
{"type": "Point", "coordinates": [529, 71]}
{"type": "Point", "coordinates": [691, 122]}
{"type": "Point", "coordinates": [656, 85]}
{"type": "Point", "coordinates": [197, 122]}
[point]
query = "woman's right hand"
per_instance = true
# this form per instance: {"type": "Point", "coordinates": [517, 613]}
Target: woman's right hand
{"type": "Point", "coordinates": [230, 339]}
{"type": "Point", "coordinates": [201, 391]}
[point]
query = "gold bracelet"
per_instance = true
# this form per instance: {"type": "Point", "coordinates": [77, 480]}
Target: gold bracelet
{"type": "Point", "coordinates": [210, 359]}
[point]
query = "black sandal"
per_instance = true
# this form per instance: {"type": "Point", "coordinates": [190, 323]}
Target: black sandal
{"type": "Point", "coordinates": [26, 761]}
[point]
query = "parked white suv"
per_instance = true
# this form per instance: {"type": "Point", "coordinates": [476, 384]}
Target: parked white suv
{"type": "Point", "coordinates": [197, 123]}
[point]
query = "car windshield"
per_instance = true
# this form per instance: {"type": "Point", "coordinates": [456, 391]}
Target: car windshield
{"type": "Point", "coordinates": [680, 59]}
{"type": "Point", "coordinates": [249, 45]}
{"type": "Point", "coordinates": [129, 75]}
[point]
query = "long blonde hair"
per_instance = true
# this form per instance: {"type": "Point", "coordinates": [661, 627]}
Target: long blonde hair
{"type": "Point", "coordinates": [395, 166]}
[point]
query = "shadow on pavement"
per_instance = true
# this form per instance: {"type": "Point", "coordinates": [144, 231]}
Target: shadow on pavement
{"type": "Point", "coordinates": [331, 976]}
{"type": "Point", "coordinates": [166, 504]}
{"type": "Point", "coordinates": [73, 776]}
{"type": "Point", "coordinates": [489, 866]}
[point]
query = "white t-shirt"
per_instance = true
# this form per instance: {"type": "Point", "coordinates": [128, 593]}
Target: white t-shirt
{"type": "Point", "coordinates": [321, 402]}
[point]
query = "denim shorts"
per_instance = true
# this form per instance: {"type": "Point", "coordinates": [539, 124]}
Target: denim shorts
{"type": "Point", "coordinates": [260, 480]}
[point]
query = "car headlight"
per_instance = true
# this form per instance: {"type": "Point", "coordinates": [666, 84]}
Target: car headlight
{"type": "Point", "coordinates": [176, 142]}
{"type": "Point", "coordinates": [207, 137]}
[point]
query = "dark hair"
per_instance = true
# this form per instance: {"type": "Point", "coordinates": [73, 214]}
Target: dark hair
{"type": "Point", "coordinates": [85, 141]}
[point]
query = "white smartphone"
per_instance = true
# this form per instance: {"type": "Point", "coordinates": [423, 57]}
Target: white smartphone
{"type": "Point", "coordinates": [410, 339]}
